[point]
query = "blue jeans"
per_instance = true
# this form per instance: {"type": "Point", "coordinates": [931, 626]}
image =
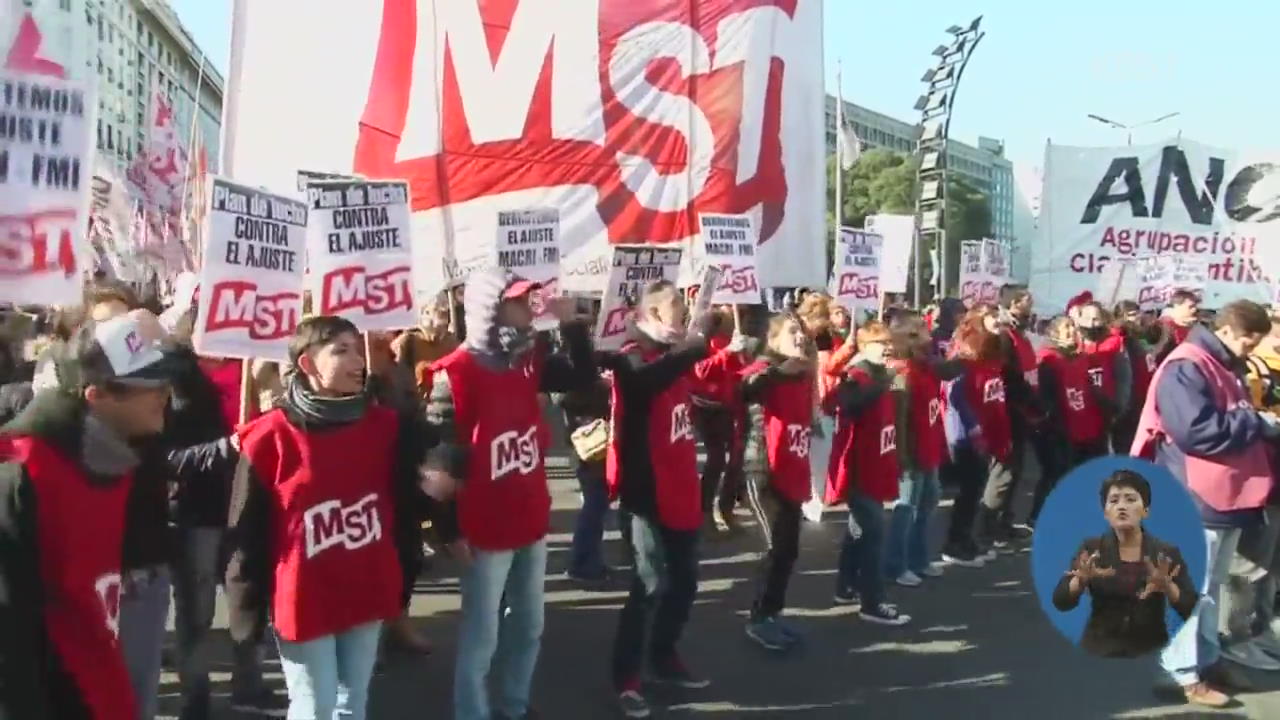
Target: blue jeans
{"type": "Point", "coordinates": [502, 614]}
{"type": "Point", "coordinates": [1196, 645]}
{"type": "Point", "coordinates": [587, 556]}
{"type": "Point", "coordinates": [907, 547]}
{"type": "Point", "coordinates": [144, 608]}
{"type": "Point", "coordinates": [330, 675]}
{"type": "Point", "coordinates": [861, 559]}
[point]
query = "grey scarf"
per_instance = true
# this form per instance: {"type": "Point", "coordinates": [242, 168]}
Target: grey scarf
{"type": "Point", "coordinates": [313, 408]}
{"type": "Point", "coordinates": [102, 450]}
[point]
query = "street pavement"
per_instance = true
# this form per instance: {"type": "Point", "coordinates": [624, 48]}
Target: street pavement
{"type": "Point", "coordinates": [978, 647]}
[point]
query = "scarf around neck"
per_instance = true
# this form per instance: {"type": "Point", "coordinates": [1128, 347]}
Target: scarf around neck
{"type": "Point", "coordinates": [313, 408]}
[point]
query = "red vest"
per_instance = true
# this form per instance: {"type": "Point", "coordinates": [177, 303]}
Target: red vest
{"type": "Point", "coordinates": [1080, 409]}
{"type": "Point", "coordinates": [788, 418]}
{"type": "Point", "coordinates": [924, 390]}
{"type": "Point", "coordinates": [1102, 366]}
{"type": "Point", "coordinates": [504, 503]}
{"type": "Point", "coordinates": [80, 534]}
{"type": "Point", "coordinates": [1026, 357]}
{"type": "Point", "coordinates": [865, 448]}
{"type": "Point", "coordinates": [333, 534]}
{"type": "Point", "coordinates": [673, 452]}
{"type": "Point", "coordinates": [984, 387]}
{"type": "Point", "coordinates": [716, 378]}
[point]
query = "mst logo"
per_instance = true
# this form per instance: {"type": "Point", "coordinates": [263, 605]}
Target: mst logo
{"type": "Point", "coordinates": [108, 588]}
{"type": "Point", "coordinates": [1075, 399]}
{"type": "Point", "coordinates": [237, 305]}
{"type": "Point", "coordinates": [331, 523]}
{"type": "Point", "coordinates": [888, 439]}
{"type": "Point", "coordinates": [1095, 377]}
{"type": "Point", "coordinates": [619, 92]}
{"type": "Point", "coordinates": [798, 437]}
{"type": "Point", "coordinates": [352, 288]}
{"type": "Point", "coordinates": [514, 451]}
{"type": "Point", "coordinates": [681, 427]}
{"type": "Point", "coordinates": [993, 391]}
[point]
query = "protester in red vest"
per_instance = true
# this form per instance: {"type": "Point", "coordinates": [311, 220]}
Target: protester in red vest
{"type": "Point", "coordinates": [652, 467]}
{"type": "Point", "coordinates": [63, 503]}
{"type": "Point", "coordinates": [1109, 368]}
{"type": "Point", "coordinates": [717, 416]}
{"type": "Point", "coordinates": [1074, 430]}
{"type": "Point", "coordinates": [322, 500]}
{"type": "Point", "coordinates": [863, 472]}
{"type": "Point", "coordinates": [1175, 324]}
{"type": "Point", "coordinates": [781, 382]}
{"type": "Point", "coordinates": [484, 397]}
{"type": "Point", "coordinates": [1020, 380]}
{"type": "Point", "coordinates": [922, 449]}
{"type": "Point", "coordinates": [1127, 330]}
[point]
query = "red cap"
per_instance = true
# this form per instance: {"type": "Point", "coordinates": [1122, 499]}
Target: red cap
{"type": "Point", "coordinates": [1083, 298]}
{"type": "Point", "coordinates": [519, 288]}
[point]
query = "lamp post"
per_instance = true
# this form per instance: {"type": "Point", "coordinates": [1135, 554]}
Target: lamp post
{"type": "Point", "coordinates": [942, 81]}
{"type": "Point", "coordinates": [1130, 128]}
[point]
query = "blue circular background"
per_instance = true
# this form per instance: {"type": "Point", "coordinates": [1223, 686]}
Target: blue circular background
{"type": "Point", "coordinates": [1073, 512]}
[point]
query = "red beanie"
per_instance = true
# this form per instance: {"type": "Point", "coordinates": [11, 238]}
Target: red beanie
{"type": "Point", "coordinates": [1083, 298]}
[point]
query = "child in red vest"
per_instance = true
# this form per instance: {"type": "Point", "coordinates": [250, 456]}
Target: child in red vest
{"type": "Point", "coordinates": [1109, 368]}
{"type": "Point", "coordinates": [322, 501]}
{"type": "Point", "coordinates": [781, 382]}
{"type": "Point", "coordinates": [1075, 431]}
{"type": "Point", "coordinates": [717, 416]}
{"type": "Point", "coordinates": [863, 472]}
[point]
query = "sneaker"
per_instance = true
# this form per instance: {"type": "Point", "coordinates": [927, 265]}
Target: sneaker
{"type": "Point", "coordinates": [963, 559]}
{"type": "Point", "coordinates": [196, 707]}
{"type": "Point", "coordinates": [633, 704]}
{"type": "Point", "coordinates": [674, 672]}
{"type": "Point", "coordinates": [909, 579]}
{"type": "Point", "coordinates": [812, 510]}
{"type": "Point", "coordinates": [263, 702]}
{"type": "Point", "coordinates": [1248, 654]}
{"type": "Point", "coordinates": [884, 614]}
{"type": "Point", "coordinates": [1021, 531]}
{"type": "Point", "coordinates": [789, 630]}
{"type": "Point", "coordinates": [932, 570]}
{"type": "Point", "coordinates": [1268, 643]}
{"type": "Point", "coordinates": [1203, 695]}
{"type": "Point", "coordinates": [723, 524]}
{"type": "Point", "coordinates": [846, 597]}
{"type": "Point", "coordinates": [589, 579]}
{"type": "Point", "coordinates": [990, 555]}
{"type": "Point", "coordinates": [768, 635]}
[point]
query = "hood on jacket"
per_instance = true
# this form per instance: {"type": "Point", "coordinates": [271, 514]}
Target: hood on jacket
{"type": "Point", "coordinates": [61, 419]}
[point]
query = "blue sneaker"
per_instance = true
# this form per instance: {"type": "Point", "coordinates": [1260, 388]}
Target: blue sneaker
{"type": "Point", "coordinates": [794, 635]}
{"type": "Point", "coordinates": [767, 634]}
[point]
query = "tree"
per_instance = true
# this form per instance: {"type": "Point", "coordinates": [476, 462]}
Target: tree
{"type": "Point", "coordinates": [968, 217]}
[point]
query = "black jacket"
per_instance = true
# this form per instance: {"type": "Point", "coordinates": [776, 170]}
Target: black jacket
{"type": "Point", "coordinates": [195, 417]}
{"type": "Point", "coordinates": [33, 683]}
{"type": "Point", "coordinates": [250, 570]}
{"type": "Point", "coordinates": [1121, 625]}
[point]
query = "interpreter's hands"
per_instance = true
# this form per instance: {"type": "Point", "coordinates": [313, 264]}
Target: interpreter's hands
{"type": "Point", "coordinates": [1160, 577]}
{"type": "Point", "coordinates": [437, 484]}
{"type": "Point", "coordinates": [461, 551]}
{"type": "Point", "coordinates": [1087, 569]}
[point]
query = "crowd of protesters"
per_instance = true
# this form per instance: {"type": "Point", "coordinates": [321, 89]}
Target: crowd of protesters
{"type": "Point", "coordinates": [138, 471]}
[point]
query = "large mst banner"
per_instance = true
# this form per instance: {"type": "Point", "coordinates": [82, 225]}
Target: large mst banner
{"type": "Point", "coordinates": [1178, 198]}
{"type": "Point", "coordinates": [629, 116]}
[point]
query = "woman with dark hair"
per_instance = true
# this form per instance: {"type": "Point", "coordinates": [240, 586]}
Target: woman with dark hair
{"type": "Point", "coordinates": [1129, 574]}
{"type": "Point", "coordinates": [1127, 328]}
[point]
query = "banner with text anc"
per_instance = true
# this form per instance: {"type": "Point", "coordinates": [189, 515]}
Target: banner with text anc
{"type": "Point", "coordinates": [251, 272]}
{"type": "Point", "coordinates": [729, 243]}
{"type": "Point", "coordinates": [358, 249]}
{"type": "Point", "coordinates": [634, 268]}
{"type": "Point", "coordinates": [1174, 198]}
{"type": "Point", "coordinates": [855, 281]}
{"type": "Point", "coordinates": [46, 166]}
{"type": "Point", "coordinates": [631, 117]}
{"type": "Point", "coordinates": [528, 244]}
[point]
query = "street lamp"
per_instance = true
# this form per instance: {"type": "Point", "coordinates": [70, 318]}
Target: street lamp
{"type": "Point", "coordinates": [941, 82]}
{"type": "Point", "coordinates": [1130, 128]}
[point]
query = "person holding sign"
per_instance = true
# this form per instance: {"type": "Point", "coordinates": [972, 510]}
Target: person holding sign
{"type": "Point", "coordinates": [652, 467]}
{"type": "Point", "coordinates": [323, 499]}
{"type": "Point", "coordinates": [484, 396]}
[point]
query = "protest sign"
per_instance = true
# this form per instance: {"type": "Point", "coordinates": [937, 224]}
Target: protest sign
{"type": "Point", "coordinates": [984, 270]}
{"type": "Point", "coordinates": [251, 274]}
{"type": "Point", "coordinates": [528, 244]}
{"type": "Point", "coordinates": [855, 284]}
{"type": "Point", "coordinates": [314, 177]}
{"type": "Point", "coordinates": [971, 278]}
{"type": "Point", "coordinates": [712, 277]}
{"type": "Point", "coordinates": [899, 233]}
{"type": "Point", "coordinates": [1118, 281]}
{"type": "Point", "coordinates": [361, 265]}
{"type": "Point", "coordinates": [634, 268]}
{"type": "Point", "coordinates": [46, 167]}
{"type": "Point", "coordinates": [729, 243]}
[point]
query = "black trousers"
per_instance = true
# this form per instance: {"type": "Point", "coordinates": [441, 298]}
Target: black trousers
{"type": "Point", "coordinates": [663, 587]}
{"type": "Point", "coordinates": [779, 521]}
{"type": "Point", "coordinates": [968, 472]}
{"type": "Point", "coordinates": [718, 428]}
{"type": "Point", "coordinates": [1058, 457]}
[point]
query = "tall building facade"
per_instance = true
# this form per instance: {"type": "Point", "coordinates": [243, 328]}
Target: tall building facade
{"type": "Point", "coordinates": [985, 166]}
{"type": "Point", "coordinates": [135, 48]}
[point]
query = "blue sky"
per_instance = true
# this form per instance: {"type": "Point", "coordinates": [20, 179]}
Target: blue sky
{"type": "Point", "coordinates": [1041, 69]}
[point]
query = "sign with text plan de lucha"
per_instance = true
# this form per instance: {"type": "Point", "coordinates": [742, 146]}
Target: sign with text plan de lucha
{"type": "Point", "coordinates": [855, 283]}
{"type": "Point", "coordinates": [46, 172]}
{"type": "Point", "coordinates": [359, 249]}
{"type": "Point", "coordinates": [632, 117]}
{"type": "Point", "coordinates": [634, 268]}
{"type": "Point", "coordinates": [251, 274]}
{"type": "Point", "coordinates": [729, 242]}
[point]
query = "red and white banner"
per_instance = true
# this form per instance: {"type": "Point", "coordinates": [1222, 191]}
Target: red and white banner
{"type": "Point", "coordinates": [855, 279]}
{"type": "Point", "coordinates": [158, 178]}
{"type": "Point", "coordinates": [629, 116]}
{"type": "Point", "coordinates": [251, 273]}
{"type": "Point", "coordinates": [1175, 198]}
{"type": "Point", "coordinates": [361, 267]}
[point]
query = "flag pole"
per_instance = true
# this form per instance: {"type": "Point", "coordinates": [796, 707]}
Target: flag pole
{"type": "Point", "coordinates": [839, 210]}
{"type": "Point", "coordinates": [230, 121]}
{"type": "Point", "coordinates": [186, 179]}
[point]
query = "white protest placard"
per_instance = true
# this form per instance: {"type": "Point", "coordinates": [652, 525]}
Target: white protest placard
{"type": "Point", "coordinates": [1152, 277]}
{"type": "Point", "coordinates": [996, 270]}
{"type": "Point", "coordinates": [359, 255]}
{"type": "Point", "coordinates": [634, 268]}
{"type": "Point", "coordinates": [855, 282]}
{"type": "Point", "coordinates": [712, 277]}
{"type": "Point", "coordinates": [251, 274]}
{"type": "Point", "coordinates": [47, 127]}
{"type": "Point", "coordinates": [1118, 281]}
{"type": "Point", "coordinates": [729, 242]}
{"type": "Point", "coordinates": [528, 244]}
{"type": "Point", "coordinates": [971, 276]}
{"type": "Point", "coordinates": [899, 232]}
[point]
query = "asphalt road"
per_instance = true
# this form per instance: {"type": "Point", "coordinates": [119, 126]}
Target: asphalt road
{"type": "Point", "coordinates": [978, 647]}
